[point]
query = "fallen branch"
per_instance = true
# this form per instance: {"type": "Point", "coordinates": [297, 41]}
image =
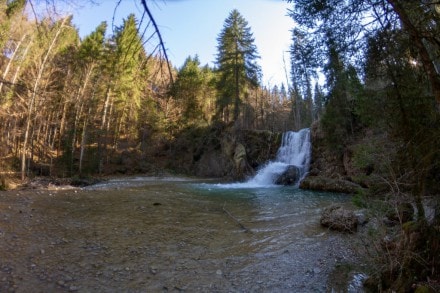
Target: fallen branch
{"type": "Point", "coordinates": [235, 219]}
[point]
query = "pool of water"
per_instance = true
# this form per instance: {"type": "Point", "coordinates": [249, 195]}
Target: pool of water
{"type": "Point", "coordinates": [169, 234]}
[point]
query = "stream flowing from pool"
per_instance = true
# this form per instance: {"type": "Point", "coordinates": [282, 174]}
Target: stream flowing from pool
{"type": "Point", "coordinates": [168, 234]}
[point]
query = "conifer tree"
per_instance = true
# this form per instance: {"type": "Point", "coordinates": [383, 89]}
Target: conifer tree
{"type": "Point", "coordinates": [131, 58]}
{"type": "Point", "coordinates": [188, 88]}
{"type": "Point", "coordinates": [236, 61]}
{"type": "Point", "coordinates": [124, 68]}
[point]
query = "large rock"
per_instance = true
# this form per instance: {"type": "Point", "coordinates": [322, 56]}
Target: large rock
{"type": "Point", "coordinates": [240, 161]}
{"type": "Point", "coordinates": [289, 177]}
{"type": "Point", "coordinates": [321, 183]}
{"type": "Point", "coordinates": [338, 218]}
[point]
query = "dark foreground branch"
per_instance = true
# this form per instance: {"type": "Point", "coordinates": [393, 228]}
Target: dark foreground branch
{"type": "Point", "coordinates": [162, 45]}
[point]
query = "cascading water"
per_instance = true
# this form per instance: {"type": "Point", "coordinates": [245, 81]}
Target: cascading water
{"type": "Point", "coordinates": [293, 152]}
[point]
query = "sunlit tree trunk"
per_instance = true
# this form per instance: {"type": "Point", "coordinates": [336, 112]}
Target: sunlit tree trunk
{"type": "Point", "coordinates": [11, 60]}
{"type": "Point", "coordinates": [79, 112]}
{"type": "Point", "coordinates": [34, 94]}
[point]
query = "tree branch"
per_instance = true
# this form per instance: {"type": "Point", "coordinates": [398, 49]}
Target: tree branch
{"type": "Point", "coordinates": [162, 45]}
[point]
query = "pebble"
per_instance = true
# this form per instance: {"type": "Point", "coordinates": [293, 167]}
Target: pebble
{"type": "Point", "coordinates": [219, 272]}
{"type": "Point", "coordinates": [153, 270]}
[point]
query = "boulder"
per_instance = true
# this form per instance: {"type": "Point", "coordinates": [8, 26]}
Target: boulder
{"type": "Point", "coordinates": [289, 177]}
{"type": "Point", "coordinates": [240, 161]}
{"type": "Point", "coordinates": [322, 183]}
{"type": "Point", "coordinates": [240, 156]}
{"type": "Point", "coordinates": [337, 218]}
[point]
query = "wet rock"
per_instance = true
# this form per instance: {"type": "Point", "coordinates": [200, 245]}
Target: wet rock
{"type": "Point", "coordinates": [362, 217]}
{"type": "Point", "coordinates": [289, 177]}
{"type": "Point", "coordinates": [340, 219]}
{"type": "Point", "coordinates": [321, 183]}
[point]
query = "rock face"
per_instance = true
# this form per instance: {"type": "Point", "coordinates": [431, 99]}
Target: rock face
{"type": "Point", "coordinates": [330, 170]}
{"type": "Point", "coordinates": [338, 218]}
{"type": "Point", "coordinates": [328, 184]}
{"type": "Point", "coordinates": [222, 151]}
{"type": "Point", "coordinates": [325, 161]}
{"type": "Point", "coordinates": [289, 177]}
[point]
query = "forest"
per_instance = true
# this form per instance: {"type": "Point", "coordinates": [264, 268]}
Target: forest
{"type": "Point", "coordinates": [70, 105]}
{"type": "Point", "coordinates": [100, 105]}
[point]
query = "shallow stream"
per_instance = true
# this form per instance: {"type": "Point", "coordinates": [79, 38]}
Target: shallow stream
{"type": "Point", "coordinates": [168, 235]}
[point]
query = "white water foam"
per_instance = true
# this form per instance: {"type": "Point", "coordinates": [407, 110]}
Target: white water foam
{"type": "Point", "coordinates": [295, 150]}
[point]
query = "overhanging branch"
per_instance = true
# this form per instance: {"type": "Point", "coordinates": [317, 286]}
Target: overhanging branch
{"type": "Point", "coordinates": [162, 45]}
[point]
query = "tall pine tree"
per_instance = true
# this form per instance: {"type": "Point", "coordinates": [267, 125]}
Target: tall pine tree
{"type": "Point", "coordinates": [237, 66]}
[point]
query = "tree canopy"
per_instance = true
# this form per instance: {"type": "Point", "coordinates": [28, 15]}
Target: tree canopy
{"type": "Point", "coordinates": [348, 25]}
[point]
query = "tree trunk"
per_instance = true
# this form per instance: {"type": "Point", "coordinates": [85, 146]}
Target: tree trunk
{"type": "Point", "coordinates": [83, 141]}
{"type": "Point", "coordinates": [32, 100]}
{"type": "Point", "coordinates": [237, 88]}
{"type": "Point", "coordinates": [79, 112]}
{"type": "Point", "coordinates": [11, 59]}
{"type": "Point", "coordinates": [62, 126]}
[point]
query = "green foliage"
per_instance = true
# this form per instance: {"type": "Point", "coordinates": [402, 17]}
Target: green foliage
{"type": "Point", "coordinates": [237, 66]}
{"type": "Point", "coordinates": [303, 69]}
{"type": "Point", "coordinates": [365, 156]}
{"type": "Point", "coordinates": [92, 47]}
{"type": "Point", "coordinates": [193, 91]}
{"type": "Point", "coordinates": [8, 9]}
{"type": "Point", "coordinates": [339, 120]}
{"type": "Point", "coordinates": [392, 114]}
{"type": "Point", "coordinates": [360, 199]}
{"type": "Point", "coordinates": [14, 6]}
{"type": "Point", "coordinates": [127, 67]}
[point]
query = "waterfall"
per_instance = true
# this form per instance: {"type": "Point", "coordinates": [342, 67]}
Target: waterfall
{"type": "Point", "coordinates": [294, 152]}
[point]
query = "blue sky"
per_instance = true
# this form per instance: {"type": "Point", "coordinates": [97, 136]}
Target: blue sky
{"type": "Point", "coordinates": [191, 27]}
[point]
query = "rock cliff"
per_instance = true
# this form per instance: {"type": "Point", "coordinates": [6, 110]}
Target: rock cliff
{"type": "Point", "coordinates": [223, 151]}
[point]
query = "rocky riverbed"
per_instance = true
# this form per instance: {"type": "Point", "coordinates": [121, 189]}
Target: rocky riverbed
{"type": "Point", "coordinates": [168, 237]}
